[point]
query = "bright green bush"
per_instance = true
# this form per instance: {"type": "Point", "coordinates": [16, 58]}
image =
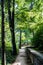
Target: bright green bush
{"type": "Point", "coordinates": [38, 38]}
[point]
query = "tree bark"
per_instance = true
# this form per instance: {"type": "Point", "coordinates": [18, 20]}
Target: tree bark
{"type": "Point", "coordinates": [20, 39]}
{"type": "Point", "coordinates": [12, 27]}
{"type": "Point", "coordinates": [3, 34]}
{"type": "Point", "coordinates": [13, 32]}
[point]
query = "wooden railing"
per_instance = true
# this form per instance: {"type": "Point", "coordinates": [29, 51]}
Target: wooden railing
{"type": "Point", "coordinates": [36, 57]}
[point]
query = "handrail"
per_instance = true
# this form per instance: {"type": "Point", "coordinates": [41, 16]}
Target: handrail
{"type": "Point", "coordinates": [36, 57]}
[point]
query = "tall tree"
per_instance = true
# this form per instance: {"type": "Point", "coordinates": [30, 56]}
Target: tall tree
{"type": "Point", "coordinates": [3, 33]}
{"type": "Point", "coordinates": [12, 26]}
{"type": "Point", "coordinates": [20, 39]}
{"type": "Point", "coordinates": [13, 32]}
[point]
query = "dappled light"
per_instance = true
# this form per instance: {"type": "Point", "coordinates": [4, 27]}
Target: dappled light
{"type": "Point", "coordinates": [16, 63]}
{"type": "Point", "coordinates": [21, 32]}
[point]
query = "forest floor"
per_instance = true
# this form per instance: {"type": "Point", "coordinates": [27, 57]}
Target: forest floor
{"type": "Point", "coordinates": [21, 58]}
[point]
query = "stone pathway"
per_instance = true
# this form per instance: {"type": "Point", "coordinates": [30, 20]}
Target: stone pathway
{"type": "Point", "coordinates": [21, 58]}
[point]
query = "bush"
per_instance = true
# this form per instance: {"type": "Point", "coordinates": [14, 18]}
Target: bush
{"type": "Point", "coordinates": [38, 38]}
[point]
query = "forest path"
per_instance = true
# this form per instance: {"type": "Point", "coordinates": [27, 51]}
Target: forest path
{"type": "Point", "coordinates": [21, 58]}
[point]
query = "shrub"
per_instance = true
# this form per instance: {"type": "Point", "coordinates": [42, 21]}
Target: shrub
{"type": "Point", "coordinates": [38, 38]}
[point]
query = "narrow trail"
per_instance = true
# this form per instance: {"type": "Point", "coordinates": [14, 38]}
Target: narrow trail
{"type": "Point", "coordinates": [21, 58]}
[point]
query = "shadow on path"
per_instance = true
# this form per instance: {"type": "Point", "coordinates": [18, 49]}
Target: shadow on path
{"type": "Point", "coordinates": [21, 58]}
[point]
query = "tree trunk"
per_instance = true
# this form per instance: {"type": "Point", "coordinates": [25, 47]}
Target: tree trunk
{"type": "Point", "coordinates": [13, 32]}
{"type": "Point", "coordinates": [11, 25]}
{"type": "Point", "coordinates": [20, 40]}
{"type": "Point", "coordinates": [33, 33]}
{"type": "Point", "coordinates": [3, 34]}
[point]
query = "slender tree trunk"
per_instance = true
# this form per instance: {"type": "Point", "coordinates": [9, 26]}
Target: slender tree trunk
{"type": "Point", "coordinates": [11, 25]}
{"type": "Point", "coordinates": [3, 34]}
{"type": "Point", "coordinates": [33, 33]}
{"type": "Point", "coordinates": [20, 39]}
{"type": "Point", "coordinates": [13, 32]}
{"type": "Point", "coordinates": [9, 15]}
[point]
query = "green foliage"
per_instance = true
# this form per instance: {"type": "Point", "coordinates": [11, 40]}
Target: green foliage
{"type": "Point", "coordinates": [28, 18]}
{"type": "Point", "coordinates": [38, 38]}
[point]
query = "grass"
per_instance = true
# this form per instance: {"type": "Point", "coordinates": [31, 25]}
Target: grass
{"type": "Point", "coordinates": [9, 56]}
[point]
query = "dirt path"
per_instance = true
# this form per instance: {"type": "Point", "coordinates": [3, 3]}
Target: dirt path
{"type": "Point", "coordinates": [21, 58]}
